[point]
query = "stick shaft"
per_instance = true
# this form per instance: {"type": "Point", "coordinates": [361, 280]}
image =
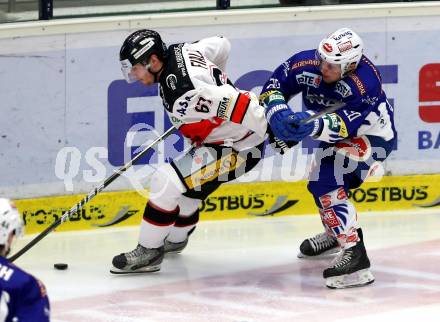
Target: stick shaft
{"type": "Point", "coordinates": [90, 196]}
{"type": "Point", "coordinates": [327, 110]}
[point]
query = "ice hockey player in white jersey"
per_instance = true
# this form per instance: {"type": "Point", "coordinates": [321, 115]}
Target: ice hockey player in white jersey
{"type": "Point", "coordinates": [226, 126]}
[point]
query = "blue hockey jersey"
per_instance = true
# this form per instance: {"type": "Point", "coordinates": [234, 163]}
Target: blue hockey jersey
{"type": "Point", "coordinates": [23, 298]}
{"type": "Point", "coordinates": [366, 110]}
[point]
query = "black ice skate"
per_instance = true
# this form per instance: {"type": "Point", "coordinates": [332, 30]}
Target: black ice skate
{"type": "Point", "coordinates": [351, 268]}
{"type": "Point", "coordinates": [321, 244]}
{"type": "Point", "coordinates": [139, 260]}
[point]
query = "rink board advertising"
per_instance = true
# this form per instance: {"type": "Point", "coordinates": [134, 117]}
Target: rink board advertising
{"type": "Point", "coordinates": [232, 201]}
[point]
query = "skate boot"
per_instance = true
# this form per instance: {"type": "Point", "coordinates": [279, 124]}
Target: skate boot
{"type": "Point", "coordinates": [351, 268]}
{"type": "Point", "coordinates": [139, 260]}
{"type": "Point", "coordinates": [321, 244]}
{"type": "Point", "coordinates": [175, 248]}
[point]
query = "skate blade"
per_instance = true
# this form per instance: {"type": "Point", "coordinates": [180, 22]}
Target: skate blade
{"type": "Point", "coordinates": [142, 270]}
{"type": "Point", "coordinates": [328, 253]}
{"type": "Point", "coordinates": [173, 252]}
{"type": "Point", "coordinates": [356, 279]}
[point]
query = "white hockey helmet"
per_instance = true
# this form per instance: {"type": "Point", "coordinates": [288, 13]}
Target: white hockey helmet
{"type": "Point", "coordinates": [10, 221]}
{"type": "Point", "coordinates": [343, 47]}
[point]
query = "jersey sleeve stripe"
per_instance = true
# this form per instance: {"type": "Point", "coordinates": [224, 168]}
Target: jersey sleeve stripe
{"type": "Point", "coordinates": [240, 108]}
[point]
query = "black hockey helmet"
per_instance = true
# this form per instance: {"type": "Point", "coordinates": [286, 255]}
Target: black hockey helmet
{"type": "Point", "coordinates": [140, 45]}
{"type": "Point", "coordinates": [137, 48]}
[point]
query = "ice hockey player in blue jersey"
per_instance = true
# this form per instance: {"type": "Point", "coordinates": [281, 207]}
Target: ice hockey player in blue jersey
{"type": "Point", "coordinates": [354, 140]}
{"type": "Point", "coordinates": [23, 298]}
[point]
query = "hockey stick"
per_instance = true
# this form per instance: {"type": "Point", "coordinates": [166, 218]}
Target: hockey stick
{"type": "Point", "coordinates": [327, 110]}
{"type": "Point", "coordinates": [91, 194]}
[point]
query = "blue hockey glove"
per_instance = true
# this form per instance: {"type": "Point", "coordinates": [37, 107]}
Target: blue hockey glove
{"type": "Point", "coordinates": [300, 129]}
{"type": "Point", "coordinates": [277, 116]}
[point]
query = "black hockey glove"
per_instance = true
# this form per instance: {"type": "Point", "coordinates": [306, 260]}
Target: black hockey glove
{"type": "Point", "coordinates": [279, 145]}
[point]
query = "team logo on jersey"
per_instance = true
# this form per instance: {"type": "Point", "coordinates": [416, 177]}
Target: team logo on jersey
{"type": "Point", "coordinates": [180, 60]}
{"type": "Point", "coordinates": [370, 100]}
{"type": "Point", "coordinates": [273, 83]}
{"type": "Point", "coordinates": [308, 62]}
{"type": "Point", "coordinates": [320, 99]}
{"type": "Point", "coordinates": [223, 107]}
{"type": "Point", "coordinates": [327, 47]}
{"type": "Point", "coordinates": [345, 46]}
{"type": "Point", "coordinates": [309, 79]}
{"type": "Point", "coordinates": [171, 81]}
{"type": "Point", "coordinates": [343, 89]}
{"type": "Point", "coordinates": [357, 148]}
{"type": "Point", "coordinates": [182, 105]}
{"type": "Point", "coordinates": [359, 84]}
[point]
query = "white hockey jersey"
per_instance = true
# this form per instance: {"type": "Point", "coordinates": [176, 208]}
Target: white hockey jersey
{"type": "Point", "coordinates": [202, 102]}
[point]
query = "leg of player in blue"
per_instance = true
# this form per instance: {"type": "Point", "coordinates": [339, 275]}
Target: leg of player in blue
{"type": "Point", "coordinates": [339, 168]}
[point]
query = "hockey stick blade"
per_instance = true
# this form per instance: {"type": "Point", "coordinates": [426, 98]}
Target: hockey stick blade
{"type": "Point", "coordinates": [90, 196]}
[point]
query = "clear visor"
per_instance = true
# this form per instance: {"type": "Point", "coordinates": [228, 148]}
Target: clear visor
{"type": "Point", "coordinates": [126, 69]}
{"type": "Point", "coordinates": [132, 73]}
{"type": "Point", "coordinates": [327, 65]}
